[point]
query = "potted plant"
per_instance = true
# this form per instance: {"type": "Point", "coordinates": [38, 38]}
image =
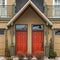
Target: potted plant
{"type": "Point", "coordinates": [52, 53]}
{"type": "Point", "coordinates": [29, 56]}
{"type": "Point", "coordinates": [40, 55]}
{"type": "Point", "coordinates": [20, 55]}
{"type": "Point", "coordinates": [7, 53]}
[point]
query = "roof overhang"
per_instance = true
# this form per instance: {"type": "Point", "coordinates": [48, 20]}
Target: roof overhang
{"type": "Point", "coordinates": [35, 8]}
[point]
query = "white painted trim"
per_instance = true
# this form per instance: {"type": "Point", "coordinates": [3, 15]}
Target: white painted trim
{"type": "Point", "coordinates": [6, 7]}
{"type": "Point", "coordinates": [5, 2]}
{"type": "Point", "coordinates": [37, 10]}
{"type": "Point", "coordinates": [53, 2]}
{"type": "Point", "coordinates": [53, 8]}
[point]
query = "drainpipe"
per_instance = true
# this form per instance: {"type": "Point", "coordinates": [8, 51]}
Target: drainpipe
{"type": "Point", "coordinates": [47, 46]}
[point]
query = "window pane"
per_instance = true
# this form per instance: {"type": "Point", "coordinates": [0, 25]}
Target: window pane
{"type": "Point", "coordinates": [57, 32]}
{"type": "Point", "coordinates": [1, 31]}
{"type": "Point", "coordinates": [55, 1]}
{"type": "Point", "coordinates": [3, 9]}
{"type": "Point", "coordinates": [3, 3]}
{"type": "Point", "coordinates": [0, 2]}
{"type": "Point", "coordinates": [56, 8]}
{"type": "Point", "coordinates": [57, 11]}
{"type": "Point", "coordinates": [38, 27]}
{"type": "Point", "coordinates": [59, 2]}
{"type": "Point", "coordinates": [21, 27]}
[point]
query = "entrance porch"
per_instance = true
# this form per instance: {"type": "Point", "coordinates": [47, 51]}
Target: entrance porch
{"type": "Point", "coordinates": [29, 32]}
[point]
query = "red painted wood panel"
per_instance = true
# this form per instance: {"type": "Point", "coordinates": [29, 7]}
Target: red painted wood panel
{"type": "Point", "coordinates": [37, 40]}
{"type": "Point", "coordinates": [21, 42]}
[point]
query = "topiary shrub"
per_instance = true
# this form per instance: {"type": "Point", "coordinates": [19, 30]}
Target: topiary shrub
{"type": "Point", "coordinates": [52, 53]}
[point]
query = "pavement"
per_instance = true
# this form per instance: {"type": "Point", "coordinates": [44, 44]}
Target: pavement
{"type": "Point", "coordinates": [45, 58]}
{"type": "Point", "coordinates": [16, 58]}
{"type": "Point", "coordinates": [57, 58]}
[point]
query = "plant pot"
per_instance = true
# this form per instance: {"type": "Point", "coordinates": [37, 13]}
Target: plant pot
{"type": "Point", "coordinates": [29, 56]}
{"type": "Point", "coordinates": [51, 59]}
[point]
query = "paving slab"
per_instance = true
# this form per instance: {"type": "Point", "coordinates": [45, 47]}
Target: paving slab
{"type": "Point", "coordinates": [2, 58]}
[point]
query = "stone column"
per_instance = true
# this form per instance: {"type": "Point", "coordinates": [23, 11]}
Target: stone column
{"type": "Point", "coordinates": [12, 32]}
{"type": "Point", "coordinates": [53, 37]}
{"type": "Point", "coordinates": [6, 43]}
{"type": "Point", "coordinates": [47, 46]}
{"type": "Point", "coordinates": [12, 47]}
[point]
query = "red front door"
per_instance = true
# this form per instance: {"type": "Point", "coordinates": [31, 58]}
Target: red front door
{"type": "Point", "coordinates": [21, 39]}
{"type": "Point", "coordinates": [37, 41]}
{"type": "Point", "coordinates": [21, 42]}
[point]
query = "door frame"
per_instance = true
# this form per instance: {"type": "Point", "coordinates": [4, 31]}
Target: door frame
{"type": "Point", "coordinates": [26, 40]}
{"type": "Point", "coordinates": [32, 35]}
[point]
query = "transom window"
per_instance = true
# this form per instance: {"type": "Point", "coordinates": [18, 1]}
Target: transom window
{"type": "Point", "coordinates": [2, 31]}
{"type": "Point", "coordinates": [57, 32]}
{"type": "Point", "coordinates": [38, 28]}
{"type": "Point", "coordinates": [21, 27]}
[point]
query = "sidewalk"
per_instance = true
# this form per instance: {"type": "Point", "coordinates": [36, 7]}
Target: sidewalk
{"type": "Point", "coordinates": [57, 58]}
{"type": "Point", "coordinates": [45, 58]}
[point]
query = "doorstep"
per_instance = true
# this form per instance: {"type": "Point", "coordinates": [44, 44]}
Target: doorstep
{"type": "Point", "coordinates": [57, 58]}
{"type": "Point", "coordinates": [16, 58]}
